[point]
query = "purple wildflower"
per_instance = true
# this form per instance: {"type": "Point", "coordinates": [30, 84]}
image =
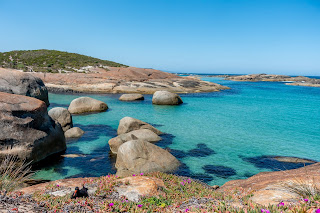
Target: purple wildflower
{"type": "Point", "coordinates": [306, 200]}
{"type": "Point", "coordinates": [318, 211]}
{"type": "Point", "coordinates": [281, 204]}
{"type": "Point", "coordinates": [139, 205]}
{"type": "Point", "coordinates": [141, 173]}
{"type": "Point", "coordinates": [111, 204]}
{"type": "Point", "coordinates": [186, 210]}
{"type": "Point", "coordinates": [133, 175]}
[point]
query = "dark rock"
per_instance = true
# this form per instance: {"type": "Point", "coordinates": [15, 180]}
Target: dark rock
{"type": "Point", "coordinates": [26, 130]}
{"type": "Point", "coordinates": [19, 83]}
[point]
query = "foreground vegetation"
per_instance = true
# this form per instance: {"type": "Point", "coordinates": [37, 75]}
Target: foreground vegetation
{"type": "Point", "coordinates": [180, 195]}
{"type": "Point", "coordinates": [50, 61]}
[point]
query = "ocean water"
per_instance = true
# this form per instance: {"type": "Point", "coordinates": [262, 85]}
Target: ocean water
{"type": "Point", "coordinates": [218, 136]}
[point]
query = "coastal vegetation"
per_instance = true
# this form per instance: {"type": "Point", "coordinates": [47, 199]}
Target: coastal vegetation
{"type": "Point", "coordinates": [51, 61]}
{"type": "Point", "coordinates": [13, 173]}
{"type": "Point", "coordinates": [179, 194]}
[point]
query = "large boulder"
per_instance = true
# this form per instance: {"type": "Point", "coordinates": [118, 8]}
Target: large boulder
{"type": "Point", "coordinates": [131, 97]}
{"type": "Point", "coordinates": [166, 98]}
{"type": "Point", "coordinates": [20, 83]}
{"type": "Point", "coordinates": [138, 156]}
{"type": "Point", "coordinates": [128, 124]}
{"type": "Point", "coordinates": [74, 132]}
{"type": "Point", "coordinates": [26, 130]}
{"type": "Point", "coordinates": [86, 104]}
{"type": "Point", "coordinates": [142, 134]}
{"type": "Point", "coordinates": [62, 116]}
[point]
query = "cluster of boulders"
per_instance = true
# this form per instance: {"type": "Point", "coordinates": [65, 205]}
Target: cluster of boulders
{"type": "Point", "coordinates": [159, 98]}
{"type": "Point", "coordinates": [80, 105]}
{"type": "Point", "coordinates": [135, 152]}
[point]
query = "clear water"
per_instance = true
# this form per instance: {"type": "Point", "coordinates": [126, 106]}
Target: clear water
{"type": "Point", "coordinates": [253, 119]}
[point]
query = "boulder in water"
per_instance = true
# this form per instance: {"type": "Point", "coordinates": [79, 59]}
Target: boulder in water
{"type": "Point", "coordinates": [166, 98]}
{"type": "Point", "coordinates": [62, 116]}
{"type": "Point", "coordinates": [131, 97]}
{"type": "Point", "coordinates": [128, 124]}
{"type": "Point", "coordinates": [86, 105]}
{"type": "Point", "coordinates": [74, 132]}
{"type": "Point", "coordinates": [138, 156]}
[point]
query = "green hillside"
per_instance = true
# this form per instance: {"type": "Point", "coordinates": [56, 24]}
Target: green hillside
{"type": "Point", "coordinates": [50, 61]}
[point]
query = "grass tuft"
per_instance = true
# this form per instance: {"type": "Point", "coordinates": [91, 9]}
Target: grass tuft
{"type": "Point", "coordinates": [13, 173]}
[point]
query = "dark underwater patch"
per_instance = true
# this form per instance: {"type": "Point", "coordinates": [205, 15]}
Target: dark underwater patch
{"type": "Point", "coordinates": [177, 153]}
{"type": "Point", "coordinates": [220, 171]}
{"type": "Point", "coordinates": [185, 171]}
{"type": "Point", "coordinates": [202, 150]}
{"type": "Point", "coordinates": [166, 140]}
{"type": "Point", "coordinates": [270, 162]}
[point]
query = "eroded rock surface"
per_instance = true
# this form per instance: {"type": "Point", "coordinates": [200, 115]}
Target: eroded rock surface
{"type": "Point", "coordinates": [275, 187]}
{"type": "Point", "coordinates": [20, 83]}
{"type": "Point", "coordinates": [27, 130]}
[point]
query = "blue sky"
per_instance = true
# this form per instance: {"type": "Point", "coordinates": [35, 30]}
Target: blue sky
{"type": "Point", "coordinates": [213, 36]}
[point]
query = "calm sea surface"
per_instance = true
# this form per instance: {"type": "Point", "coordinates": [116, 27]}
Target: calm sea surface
{"type": "Point", "coordinates": [217, 136]}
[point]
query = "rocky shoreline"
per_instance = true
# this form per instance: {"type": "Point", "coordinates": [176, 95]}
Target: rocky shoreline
{"type": "Point", "coordinates": [295, 81]}
{"type": "Point", "coordinates": [125, 80]}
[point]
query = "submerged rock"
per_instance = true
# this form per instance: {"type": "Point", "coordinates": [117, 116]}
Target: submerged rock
{"type": "Point", "coordinates": [20, 83]}
{"type": "Point", "coordinates": [138, 156]}
{"type": "Point", "coordinates": [166, 98]}
{"type": "Point", "coordinates": [26, 130]}
{"type": "Point", "coordinates": [86, 104]}
{"type": "Point", "coordinates": [128, 124]}
{"type": "Point", "coordinates": [62, 116]}
{"type": "Point", "coordinates": [131, 97]}
{"type": "Point", "coordinates": [74, 132]}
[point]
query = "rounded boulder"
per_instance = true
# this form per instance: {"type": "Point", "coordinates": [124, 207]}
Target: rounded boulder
{"type": "Point", "coordinates": [62, 116]}
{"type": "Point", "coordinates": [128, 124]}
{"type": "Point", "coordinates": [131, 97]}
{"type": "Point", "coordinates": [166, 98]}
{"type": "Point", "coordinates": [74, 132]}
{"type": "Point", "coordinates": [138, 156]}
{"type": "Point", "coordinates": [86, 105]}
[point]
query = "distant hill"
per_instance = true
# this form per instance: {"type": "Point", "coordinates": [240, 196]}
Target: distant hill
{"type": "Point", "coordinates": [51, 61]}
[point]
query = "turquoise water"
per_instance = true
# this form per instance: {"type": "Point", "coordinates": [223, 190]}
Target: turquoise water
{"type": "Point", "coordinates": [252, 119]}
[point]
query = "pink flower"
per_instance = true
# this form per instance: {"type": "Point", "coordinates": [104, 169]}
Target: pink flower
{"type": "Point", "coordinates": [58, 185]}
{"type": "Point", "coordinates": [186, 210]}
{"type": "Point", "coordinates": [133, 175]}
{"type": "Point", "coordinates": [141, 173]}
{"type": "Point", "coordinates": [111, 204]}
{"type": "Point", "coordinates": [281, 204]}
{"type": "Point", "coordinates": [139, 205]}
{"type": "Point", "coordinates": [265, 210]}
{"type": "Point", "coordinates": [306, 200]}
{"type": "Point", "coordinates": [318, 211]}
{"type": "Point", "coordinates": [182, 183]}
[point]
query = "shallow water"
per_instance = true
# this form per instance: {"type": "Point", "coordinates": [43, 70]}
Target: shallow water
{"type": "Point", "coordinates": [216, 135]}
